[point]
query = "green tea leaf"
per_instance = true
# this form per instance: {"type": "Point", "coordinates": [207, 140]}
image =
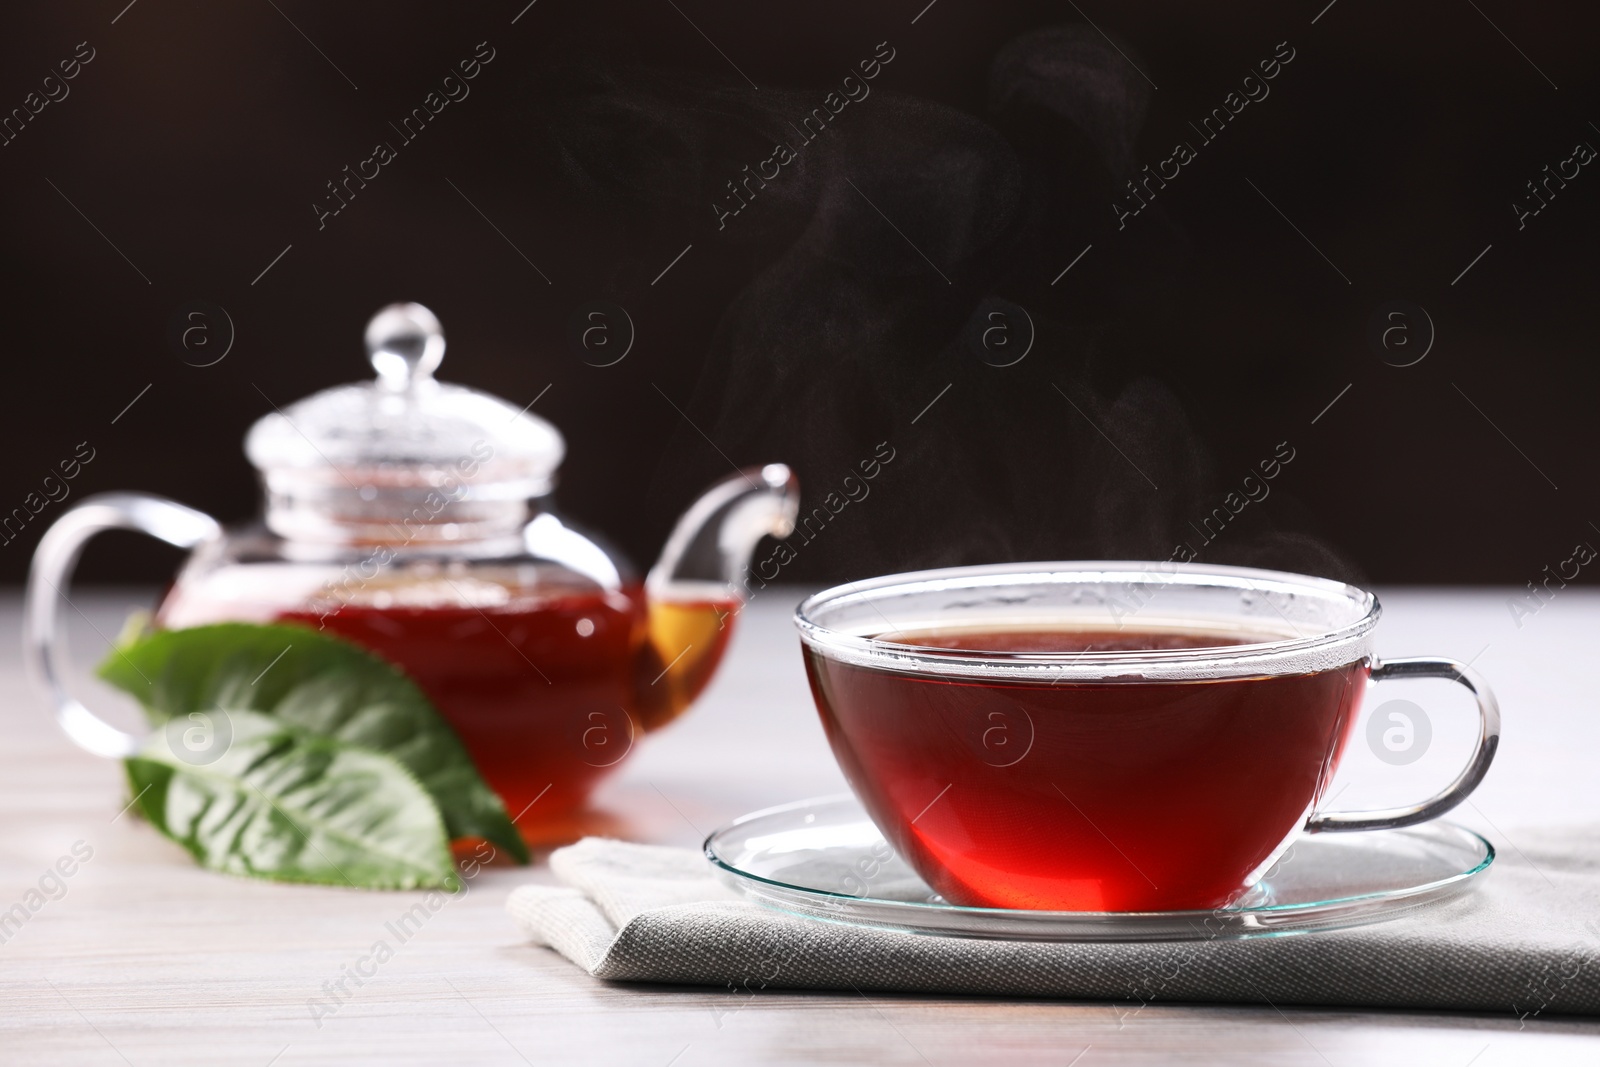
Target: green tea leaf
{"type": "Point", "coordinates": [266, 799]}
{"type": "Point", "coordinates": [325, 686]}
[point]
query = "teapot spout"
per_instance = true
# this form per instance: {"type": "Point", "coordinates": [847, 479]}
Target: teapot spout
{"type": "Point", "coordinates": [694, 589]}
{"type": "Point", "coordinates": [714, 540]}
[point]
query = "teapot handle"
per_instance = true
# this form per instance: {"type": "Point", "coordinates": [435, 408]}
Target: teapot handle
{"type": "Point", "coordinates": [48, 578]}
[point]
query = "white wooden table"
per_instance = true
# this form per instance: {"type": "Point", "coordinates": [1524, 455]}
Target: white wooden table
{"type": "Point", "coordinates": [147, 960]}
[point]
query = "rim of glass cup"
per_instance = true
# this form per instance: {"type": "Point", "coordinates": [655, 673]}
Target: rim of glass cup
{"type": "Point", "coordinates": [1317, 650]}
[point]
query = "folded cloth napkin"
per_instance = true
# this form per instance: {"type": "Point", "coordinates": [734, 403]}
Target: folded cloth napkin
{"type": "Point", "coordinates": [1526, 941]}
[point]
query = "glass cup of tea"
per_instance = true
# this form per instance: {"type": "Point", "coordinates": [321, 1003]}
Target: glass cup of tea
{"type": "Point", "coordinates": [1104, 736]}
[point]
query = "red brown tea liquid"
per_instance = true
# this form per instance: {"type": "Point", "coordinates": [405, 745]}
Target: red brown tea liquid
{"type": "Point", "coordinates": [548, 691]}
{"type": "Point", "coordinates": [1086, 796]}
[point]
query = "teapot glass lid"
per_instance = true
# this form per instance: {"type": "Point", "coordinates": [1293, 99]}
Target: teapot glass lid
{"type": "Point", "coordinates": [404, 443]}
{"type": "Point", "coordinates": [405, 428]}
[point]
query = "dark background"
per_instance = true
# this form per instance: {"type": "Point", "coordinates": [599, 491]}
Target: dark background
{"type": "Point", "coordinates": [1172, 358]}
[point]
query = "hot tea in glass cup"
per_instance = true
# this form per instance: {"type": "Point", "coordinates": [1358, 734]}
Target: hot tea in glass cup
{"type": "Point", "coordinates": [1118, 736]}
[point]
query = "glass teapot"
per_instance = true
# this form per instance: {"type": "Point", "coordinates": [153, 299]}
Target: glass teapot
{"type": "Point", "coordinates": [414, 517]}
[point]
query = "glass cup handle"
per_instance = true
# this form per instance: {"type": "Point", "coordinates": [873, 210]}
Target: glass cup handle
{"type": "Point", "coordinates": [1466, 781]}
{"type": "Point", "coordinates": [48, 578]}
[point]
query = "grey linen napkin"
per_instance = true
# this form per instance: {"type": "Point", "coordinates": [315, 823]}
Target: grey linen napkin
{"type": "Point", "coordinates": [1526, 942]}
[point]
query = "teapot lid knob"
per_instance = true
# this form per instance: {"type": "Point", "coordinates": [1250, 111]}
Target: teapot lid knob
{"type": "Point", "coordinates": [405, 344]}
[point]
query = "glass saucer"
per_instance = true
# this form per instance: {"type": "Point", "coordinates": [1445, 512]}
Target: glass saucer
{"type": "Point", "coordinates": [824, 859]}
